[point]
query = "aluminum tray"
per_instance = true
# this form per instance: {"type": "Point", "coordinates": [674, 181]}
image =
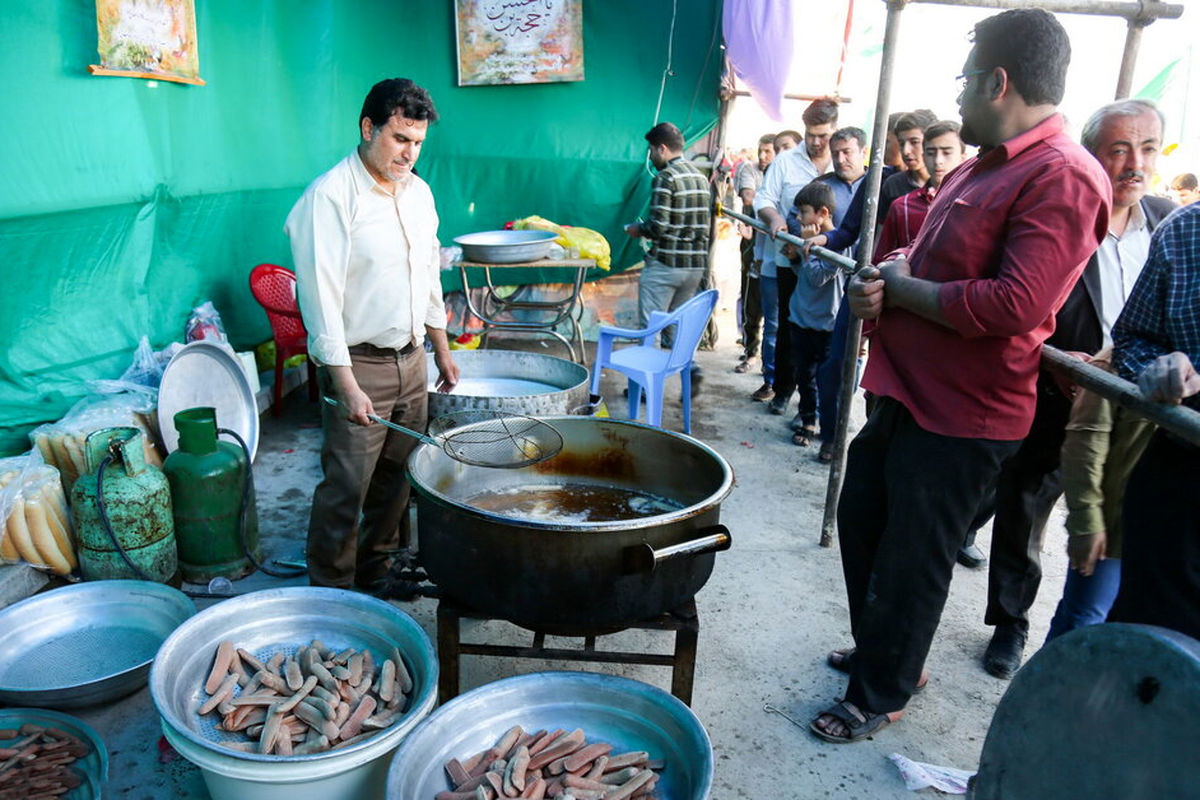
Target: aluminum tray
{"type": "Point", "coordinates": [505, 247]}
{"type": "Point", "coordinates": [275, 620]}
{"type": "Point", "coordinates": [204, 374]}
{"type": "Point", "coordinates": [87, 643]}
{"type": "Point", "coordinates": [627, 714]}
{"type": "Point", "coordinates": [93, 767]}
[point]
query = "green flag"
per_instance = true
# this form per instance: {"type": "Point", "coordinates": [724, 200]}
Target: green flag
{"type": "Point", "coordinates": [1157, 87]}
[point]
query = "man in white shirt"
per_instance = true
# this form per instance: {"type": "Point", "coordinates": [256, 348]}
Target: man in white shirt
{"type": "Point", "coordinates": [364, 242]}
{"type": "Point", "coordinates": [790, 172]}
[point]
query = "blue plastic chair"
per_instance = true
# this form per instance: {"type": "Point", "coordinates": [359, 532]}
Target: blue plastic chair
{"type": "Point", "coordinates": [649, 366]}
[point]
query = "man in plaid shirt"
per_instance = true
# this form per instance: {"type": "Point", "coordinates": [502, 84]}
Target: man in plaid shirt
{"type": "Point", "coordinates": [1156, 342]}
{"type": "Point", "coordinates": [677, 227]}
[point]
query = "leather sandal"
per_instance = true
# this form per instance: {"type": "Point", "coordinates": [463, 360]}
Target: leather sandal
{"type": "Point", "coordinates": [859, 724]}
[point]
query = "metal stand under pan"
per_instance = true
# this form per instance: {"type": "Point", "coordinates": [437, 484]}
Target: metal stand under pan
{"type": "Point", "coordinates": [684, 621]}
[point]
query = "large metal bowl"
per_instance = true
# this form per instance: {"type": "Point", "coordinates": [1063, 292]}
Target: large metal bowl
{"type": "Point", "coordinates": [627, 714]}
{"type": "Point", "coordinates": [87, 643]}
{"type": "Point", "coordinates": [93, 767]}
{"type": "Point", "coordinates": [508, 380]}
{"type": "Point", "coordinates": [284, 619]}
{"type": "Point", "coordinates": [505, 247]}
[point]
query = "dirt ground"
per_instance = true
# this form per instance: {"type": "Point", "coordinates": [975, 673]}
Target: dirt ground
{"type": "Point", "coordinates": [773, 608]}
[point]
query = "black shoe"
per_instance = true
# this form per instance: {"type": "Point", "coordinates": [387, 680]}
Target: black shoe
{"type": "Point", "coordinates": [971, 557]}
{"type": "Point", "coordinates": [1003, 656]}
{"type": "Point", "coordinates": [697, 379]}
{"type": "Point", "coordinates": [777, 406]}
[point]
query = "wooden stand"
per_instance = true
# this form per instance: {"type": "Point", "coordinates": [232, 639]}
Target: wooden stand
{"type": "Point", "coordinates": [683, 621]}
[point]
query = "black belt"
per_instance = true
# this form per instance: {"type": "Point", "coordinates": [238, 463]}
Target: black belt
{"type": "Point", "coordinates": [385, 352]}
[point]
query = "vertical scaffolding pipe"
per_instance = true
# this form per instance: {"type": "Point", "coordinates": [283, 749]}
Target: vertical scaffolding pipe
{"type": "Point", "coordinates": [866, 243]}
{"type": "Point", "coordinates": [1133, 40]}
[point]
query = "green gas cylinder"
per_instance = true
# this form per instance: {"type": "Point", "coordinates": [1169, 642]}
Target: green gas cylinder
{"type": "Point", "coordinates": [137, 501]}
{"type": "Point", "coordinates": [207, 480]}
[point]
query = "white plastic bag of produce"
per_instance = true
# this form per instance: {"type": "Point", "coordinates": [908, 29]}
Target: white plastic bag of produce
{"type": "Point", "coordinates": [36, 525]}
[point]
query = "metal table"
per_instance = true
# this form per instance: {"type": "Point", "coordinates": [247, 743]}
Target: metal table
{"type": "Point", "coordinates": [554, 312]}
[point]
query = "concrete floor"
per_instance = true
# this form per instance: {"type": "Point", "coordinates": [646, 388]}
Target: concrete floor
{"type": "Point", "coordinates": [773, 608]}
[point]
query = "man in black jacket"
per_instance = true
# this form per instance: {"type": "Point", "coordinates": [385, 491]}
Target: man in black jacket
{"type": "Point", "coordinates": [1124, 137]}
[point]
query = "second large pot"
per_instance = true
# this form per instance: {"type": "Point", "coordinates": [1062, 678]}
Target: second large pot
{"type": "Point", "coordinates": [582, 576]}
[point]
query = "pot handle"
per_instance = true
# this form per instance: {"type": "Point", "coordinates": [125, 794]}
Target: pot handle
{"type": "Point", "coordinates": [713, 539]}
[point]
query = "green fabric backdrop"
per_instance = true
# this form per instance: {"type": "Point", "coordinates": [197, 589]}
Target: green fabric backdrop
{"type": "Point", "coordinates": [126, 203]}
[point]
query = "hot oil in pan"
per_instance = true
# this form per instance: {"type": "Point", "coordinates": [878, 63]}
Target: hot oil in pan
{"type": "Point", "coordinates": [572, 503]}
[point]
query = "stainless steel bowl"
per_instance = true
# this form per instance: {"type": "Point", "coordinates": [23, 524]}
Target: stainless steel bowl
{"type": "Point", "coordinates": [87, 643]}
{"type": "Point", "coordinates": [282, 620]}
{"type": "Point", "coordinates": [627, 714]}
{"type": "Point", "coordinates": [505, 247]}
{"type": "Point", "coordinates": [93, 767]}
{"type": "Point", "coordinates": [508, 380]}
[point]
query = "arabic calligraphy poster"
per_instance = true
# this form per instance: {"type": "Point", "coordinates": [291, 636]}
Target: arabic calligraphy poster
{"type": "Point", "coordinates": [148, 39]}
{"type": "Point", "coordinates": [519, 41]}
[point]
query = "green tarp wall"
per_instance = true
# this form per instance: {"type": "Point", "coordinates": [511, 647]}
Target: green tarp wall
{"type": "Point", "coordinates": [123, 203]}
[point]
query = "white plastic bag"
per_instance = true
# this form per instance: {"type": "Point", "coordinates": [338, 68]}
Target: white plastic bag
{"type": "Point", "coordinates": [143, 376]}
{"type": "Point", "coordinates": [917, 775]}
{"type": "Point", "coordinates": [205, 323]}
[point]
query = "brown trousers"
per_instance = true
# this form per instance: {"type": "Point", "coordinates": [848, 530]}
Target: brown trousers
{"type": "Point", "coordinates": [359, 507]}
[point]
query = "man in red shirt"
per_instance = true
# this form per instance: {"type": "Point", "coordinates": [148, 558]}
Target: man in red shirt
{"type": "Point", "coordinates": [959, 320]}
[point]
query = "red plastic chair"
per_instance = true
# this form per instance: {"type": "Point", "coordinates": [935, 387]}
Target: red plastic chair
{"type": "Point", "coordinates": [274, 287]}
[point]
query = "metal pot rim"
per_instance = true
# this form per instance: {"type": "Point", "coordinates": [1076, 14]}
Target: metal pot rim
{"type": "Point", "coordinates": [715, 498]}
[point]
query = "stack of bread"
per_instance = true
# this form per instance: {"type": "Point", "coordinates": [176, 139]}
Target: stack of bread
{"type": "Point", "coordinates": [36, 520]}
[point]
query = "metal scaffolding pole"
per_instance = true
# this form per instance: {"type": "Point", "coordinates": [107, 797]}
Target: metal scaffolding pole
{"type": "Point", "coordinates": [1147, 10]}
{"type": "Point", "coordinates": [866, 244]}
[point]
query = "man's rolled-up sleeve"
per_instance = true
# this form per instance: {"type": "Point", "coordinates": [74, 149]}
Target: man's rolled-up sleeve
{"type": "Point", "coordinates": [319, 230]}
{"type": "Point", "coordinates": [1050, 233]}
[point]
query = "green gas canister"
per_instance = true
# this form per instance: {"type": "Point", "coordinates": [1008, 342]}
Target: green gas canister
{"type": "Point", "coordinates": [139, 540]}
{"type": "Point", "coordinates": [207, 480]}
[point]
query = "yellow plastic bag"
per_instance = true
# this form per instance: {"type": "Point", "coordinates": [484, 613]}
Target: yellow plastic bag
{"type": "Point", "coordinates": [589, 243]}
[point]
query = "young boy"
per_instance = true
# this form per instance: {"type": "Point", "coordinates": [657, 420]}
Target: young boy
{"type": "Point", "coordinates": [813, 308]}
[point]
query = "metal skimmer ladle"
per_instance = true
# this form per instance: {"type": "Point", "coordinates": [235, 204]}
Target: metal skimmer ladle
{"type": "Point", "coordinates": [486, 438]}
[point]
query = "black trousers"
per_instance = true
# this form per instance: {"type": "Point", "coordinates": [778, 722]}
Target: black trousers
{"type": "Point", "coordinates": [785, 370]}
{"type": "Point", "coordinates": [1028, 487]}
{"type": "Point", "coordinates": [908, 497]}
{"type": "Point", "coordinates": [1160, 555]}
{"type": "Point", "coordinates": [810, 348]}
{"type": "Point", "coordinates": [751, 303]}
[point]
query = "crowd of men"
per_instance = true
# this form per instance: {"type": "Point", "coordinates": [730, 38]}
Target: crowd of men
{"type": "Point", "coordinates": [979, 260]}
{"type": "Point", "coordinates": [1039, 237]}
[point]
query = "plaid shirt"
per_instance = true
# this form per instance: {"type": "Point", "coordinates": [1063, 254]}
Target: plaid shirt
{"type": "Point", "coordinates": [679, 216]}
{"type": "Point", "coordinates": [1162, 314]}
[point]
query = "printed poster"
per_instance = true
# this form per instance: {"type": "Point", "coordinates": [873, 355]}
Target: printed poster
{"type": "Point", "coordinates": [148, 39]}
{"type": "Point", "coordinates": [519, 41]}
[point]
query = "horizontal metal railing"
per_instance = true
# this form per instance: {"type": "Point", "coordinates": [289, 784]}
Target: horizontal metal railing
{"type": "Point", "coordinates": [1179, 420]}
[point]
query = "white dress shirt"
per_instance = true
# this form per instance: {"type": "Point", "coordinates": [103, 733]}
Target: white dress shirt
{"type": "Point", "coordinates": [1121, 259]}
{"type": "Point", "coordinates": [790, 172]}
{"type": "Point", "coordinates": [367, 267]}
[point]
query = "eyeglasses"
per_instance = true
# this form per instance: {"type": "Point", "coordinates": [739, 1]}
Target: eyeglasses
{"type": "Point", "coordinates": [965, 77]}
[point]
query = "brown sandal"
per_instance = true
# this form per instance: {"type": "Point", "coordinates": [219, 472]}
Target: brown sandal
{"type": "Point", "coordinates": [805, 436]}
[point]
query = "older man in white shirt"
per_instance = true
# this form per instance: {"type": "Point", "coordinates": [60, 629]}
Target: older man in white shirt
{"type": "Point", "coordinates": [364, 242]}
